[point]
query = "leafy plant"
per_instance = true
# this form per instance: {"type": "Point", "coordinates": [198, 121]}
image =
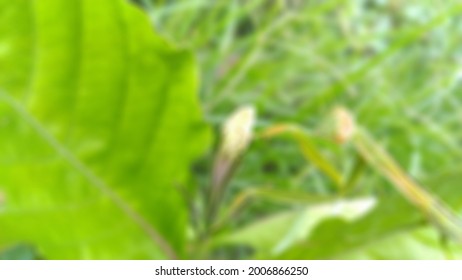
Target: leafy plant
{"type": "Point", "coordinates": [313, 232]}
{"type": "Point", "coordinates": [101, 130]}
{"type": "Point", "coordinates": [100, 124]}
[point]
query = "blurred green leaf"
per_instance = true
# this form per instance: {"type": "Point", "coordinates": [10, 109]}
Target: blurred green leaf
{"type": "Point", "coordinates": [392, 230]}
{"type": "Point", "coordinates": [411, 244]}
{"type": "Point", "coordinates": [99, 124]}
{"type": "Point", "coordinates": [275, 234]}
{"type": "Point", "coordinates": [393, 220]}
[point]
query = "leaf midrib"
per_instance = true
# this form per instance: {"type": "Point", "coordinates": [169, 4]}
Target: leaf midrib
{"type": "Point", "coordinates": [89, 175]}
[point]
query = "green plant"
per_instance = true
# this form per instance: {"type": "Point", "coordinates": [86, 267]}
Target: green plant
{"type": "Point", "coordinates": [101, 131]}
{"type": "Point", "coordinates": [100, 124]}
{"type": "Point", "coordinates": [289, 235]}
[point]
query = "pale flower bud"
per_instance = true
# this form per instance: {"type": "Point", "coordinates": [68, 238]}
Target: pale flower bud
{"type": "Point", "coordinates": [237, 131]}
{"type": "Point", "coordinates": [344, 125]}
{"type": "Point", "coordinates": [236, 136]}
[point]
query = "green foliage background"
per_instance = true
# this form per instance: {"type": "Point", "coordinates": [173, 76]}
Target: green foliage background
{"type": "Point", "coordinates": [106, 128]}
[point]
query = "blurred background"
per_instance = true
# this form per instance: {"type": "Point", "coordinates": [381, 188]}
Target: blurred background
{"type": "Point", "coordinates": [395, 64]}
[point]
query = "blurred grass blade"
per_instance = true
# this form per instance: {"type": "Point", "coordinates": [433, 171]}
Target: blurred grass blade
{"type": "Point", "coordinates": [287, 196]}
{"type": "Point", "coordinates": [309, 150]}
{"type": "Point", "coordinates": [355, 174]}
{"type": "Point", "coordinates": [377, 157]}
